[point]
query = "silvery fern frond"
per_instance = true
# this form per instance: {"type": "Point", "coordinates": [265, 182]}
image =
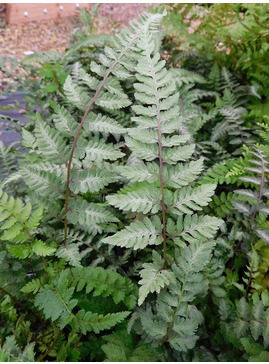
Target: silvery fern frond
{"type": "Point", "coordinates": [163, 188]}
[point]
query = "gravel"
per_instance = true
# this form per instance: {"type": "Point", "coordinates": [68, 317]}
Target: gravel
{"type": "Point", "coordinates": [54, 35]}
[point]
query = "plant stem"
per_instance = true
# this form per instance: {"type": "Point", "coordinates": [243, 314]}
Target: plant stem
{"type": "Point", "coordinates": [171, 324]}
{"type": "Point", "coordinates": [247, 27]}
{"type": "Point", "coordinates": [257, 20]}
{"type": "Point", "coordinates": [58, 83]}
{"type": "Point", "coordinates": [162, 203]}
{"type": "Point", "coordinates": [50, 349]}
{"type": "Point", "coordinates": [158, 115]}
{"type": "Point", "coordinates": [12, 297]}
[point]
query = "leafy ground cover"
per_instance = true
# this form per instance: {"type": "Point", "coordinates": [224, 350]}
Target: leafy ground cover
{"type": "Point", "coordinates": [134, 215]}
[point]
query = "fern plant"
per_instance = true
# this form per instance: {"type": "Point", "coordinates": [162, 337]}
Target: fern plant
{"type": "Point", "coordinates": [248, 322]}
{"type": "Point", "coordinates": [84, 159]}
{"type": "Point", "coordinates": [231, 35]}
{"type": "Point", "coordinates": [122, 346]}
{"type": "Point", "coordinates": [164, 203]}
{"type": "Point", "coordinates": [218, 119]}
{"type": "Point", "coordinates": [128, 259]}
{"type": "Point", "coordinates": [256, 209]}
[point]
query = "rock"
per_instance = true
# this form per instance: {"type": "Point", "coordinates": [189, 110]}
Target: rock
{"type": "Point", "coordinates": [28, 53]}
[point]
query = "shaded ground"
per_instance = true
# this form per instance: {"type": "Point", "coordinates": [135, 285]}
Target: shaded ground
{"type": "Point", "coordinates": [6, 135]}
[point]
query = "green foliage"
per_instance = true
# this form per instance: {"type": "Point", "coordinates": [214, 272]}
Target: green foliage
{"type": "Point", "coordinates": [225, 172]}
{"type": "Point", "coordinates": [57, 302]}
{"type": "Point", "coordinates": [239, 29]}
{"type": "Point", "coordinates": [134, 227]}
{"type": "Point", "coordinates": [17, 223]}
{"type": "Point", "coordinates": [105, 283]}
{"type": "Point", "coordinates": [174, 320]}
{"type": "Point", "coordinates": [249, 323]}
{"type": "Point", "coordinates": [154, 277]}
{"type": "Point", "coordinates": [168, 197]}
{"type": "Point", "coordinates": [10, 351]}
{"type": "Point", "coordinates": [120, 346]}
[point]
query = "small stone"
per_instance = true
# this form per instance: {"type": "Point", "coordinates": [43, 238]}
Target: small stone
{"type": "Point", "coordinates": [28, 53]}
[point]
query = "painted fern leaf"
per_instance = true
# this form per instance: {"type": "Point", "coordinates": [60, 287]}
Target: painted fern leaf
{"type": "Point", "coordinates": [138, 234]}
{"type": "Point", "coordinates": [90, 216]}
{"type": "Point", "coordinates": [176, 320]}
{"type": "Point", "coordinates": [102, 91]}
{"type": "Point", "coordinates": [154, 277]}
{"type": "Point", "coordinates": [162, 188]}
